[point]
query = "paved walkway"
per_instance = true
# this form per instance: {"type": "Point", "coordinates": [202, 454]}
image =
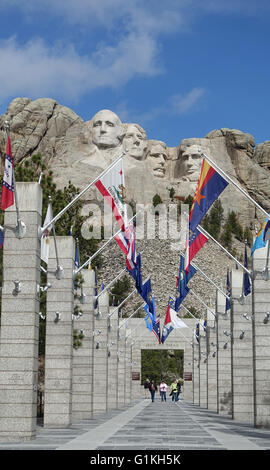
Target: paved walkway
{"type": "Point", "coordinates": [151, 426]}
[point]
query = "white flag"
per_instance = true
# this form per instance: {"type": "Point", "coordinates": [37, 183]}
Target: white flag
{"type": "Point", "coordinates": [112, 188]}
{"type": "Point", "coordinates": [176, 321]}
{"type": "Point", "coordinates": [45, 239]}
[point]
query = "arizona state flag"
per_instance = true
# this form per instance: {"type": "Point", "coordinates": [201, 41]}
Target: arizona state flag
{"type": "Point", "coordinates": [209, 187]}
{"type": "Point", "coordinates": [7, 198]}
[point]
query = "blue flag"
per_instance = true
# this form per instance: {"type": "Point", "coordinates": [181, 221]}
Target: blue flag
{"type": "Point", "coordinates": [96, 292]}
{"type": "Point", "coordinates": [156, 330]}
{"type": "Point", "coordinates": [247, 285]}
{"type": "Point", "coordinates": [1, 238]}
{"type": "Point", "coordinates": [197, 332]}
{"type": "Point", "coordinates": [139, 273]}
{"type": "Point", "coordinates": [228, 292]}
{"type": "Point", "coordinates": [149, 318]}
{"type": "Point", "coordinates": [183, 279]}
{"type": "Point", "coordinates": [76, 263]}
{"type": "Point", "coordinates": [145, 292]}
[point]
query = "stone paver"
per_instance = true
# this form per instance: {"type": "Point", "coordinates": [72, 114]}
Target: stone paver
{"type": "Point", "coordinates": [146, 426]}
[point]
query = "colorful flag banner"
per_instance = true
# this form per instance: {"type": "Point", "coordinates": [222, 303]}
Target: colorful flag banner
{"type": "Point", "coordinates": [259, 241]}
{"type": "Point", "coordinates": [167, 326]}
{"type": "Point", "coordinates": [196, 242]}
{"type": "Point", "coordinates": [156, 330]}
{"type": "Point", "coordinates": [112, 188]}
{"type": "Point", "coordinates": [246, 280]}
{"type": "Point", "coordinates": [210, 185]}
{"type": "Point", "coordinates": [7, 198]}
{"type": "Point", "coordinates": [45, 239]}
{"type": "Point", "coordinates": [2, 237]}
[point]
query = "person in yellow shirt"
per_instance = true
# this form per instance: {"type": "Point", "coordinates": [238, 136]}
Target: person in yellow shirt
{"type": "Point", "coordinates": [174, 391]}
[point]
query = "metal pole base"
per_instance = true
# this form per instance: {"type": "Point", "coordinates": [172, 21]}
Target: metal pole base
{"type": "Point", "coordinates": [59, 273]}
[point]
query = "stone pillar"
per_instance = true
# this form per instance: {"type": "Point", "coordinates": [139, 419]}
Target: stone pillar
{"type": "Point", "coordinates": [242, 352]}
{"type": "Point", "coordinates": [100, 357]}
{"type": "Point", "coordinates": [223, 357]}
{"type": "Point", "coordinates": [121, 369]}
{"type": "Point", "coordinates": [82, 357]}
{"type": "Point", "coordinates": [203, 397]}
{"type": "Point", "coordinates": [261, 335]}
{"type": "Point", "coordinates": [128, 368]}
{"type": "Point", "coordinates": [20, 319]}
{"type": "Point", "coordinates": [212, 361]}
{"type": "Point", "coordinates": [112, 361]}
{"type": "Point", "coordinates": [59, 336]}
{"type": "Point", "coordinates": [196, 373]}
{"type": "Point", "coordinates": [136, 387]}
{"type": "Point", "coordinates": [187, 388]}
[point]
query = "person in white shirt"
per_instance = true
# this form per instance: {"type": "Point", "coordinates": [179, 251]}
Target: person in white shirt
{"type": "Point", "coordinates": [163, 388]}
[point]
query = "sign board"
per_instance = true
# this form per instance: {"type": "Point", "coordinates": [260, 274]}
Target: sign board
{"type": "Point", "coordinates": [135, 375]}
{"type": "Point", "coordinates": [187, 376]}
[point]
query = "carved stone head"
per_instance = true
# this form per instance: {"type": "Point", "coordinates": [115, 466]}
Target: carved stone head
{"type": "Point", "coordinates": [135, 141]}
{"type": "Point", "coordinates": [107, 129]}
{"type": "Point", "coordinates": [157, 154]}
{"type": "Point", "coordinates": [190, 163]}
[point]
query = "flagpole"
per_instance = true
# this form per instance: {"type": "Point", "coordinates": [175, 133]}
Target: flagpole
{"type": "Point", "coordinates": [189, 312]}
{"type": "Point", "coordinates": [101, 248]}
{"type": "Point", "coordinates": [41, 230]}
{"type": "Point", "coordinates": [122, 324]}
{"type": "Point", "coordinates": [204, 232]}
{"type": "Point", "coordinates": [265, 272]}
{"type": "Point", "coordinates": [20, 229]}
{"type": "Point", "coordinates": [59, 270]}
{"type": "Point", "coordinates": [122, 303]}
{"type": "Point", "coordinates": [195, 295]}
{"type": "Point", "coordinates": [210, 280]}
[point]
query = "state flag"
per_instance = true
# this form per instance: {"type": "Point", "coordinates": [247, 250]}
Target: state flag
{"type": "Point", "coordinates": [247, 284]}
{"type": "Point", "coordinates": [111, 186]}
{"type": "Point", "coordinates": [210, 185]}
{"type": "Point", "coordinates": [7, 198]}
{"type": "Point", "coordinates": [156, 330]}
{"type": "Point", "coordinates": [45, 239]}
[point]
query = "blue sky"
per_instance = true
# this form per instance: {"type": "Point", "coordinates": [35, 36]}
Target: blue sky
{"type": "Point", "coordinates": [180, 68]}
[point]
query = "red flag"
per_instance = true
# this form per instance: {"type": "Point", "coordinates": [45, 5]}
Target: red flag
{"type": "Point", "coordinates": [7, 198]}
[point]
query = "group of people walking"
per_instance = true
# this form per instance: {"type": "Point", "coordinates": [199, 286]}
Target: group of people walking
{"type": "Point", "coordinates": [175, 389]}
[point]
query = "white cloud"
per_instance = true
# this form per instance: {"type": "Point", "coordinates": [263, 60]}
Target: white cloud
{"type": "Point", "coordinates": [38, 70]}
{"type": "Point", "coordinates": [175, 105]}
{"type": "Point", "coordinates": [182, 104]}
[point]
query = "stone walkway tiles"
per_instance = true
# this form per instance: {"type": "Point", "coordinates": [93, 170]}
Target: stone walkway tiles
{"type": "Point", "coordinates": [151, 426]}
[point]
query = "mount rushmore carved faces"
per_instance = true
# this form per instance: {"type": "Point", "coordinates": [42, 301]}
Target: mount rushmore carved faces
{"type": "Point", "coordinates": [135, 141]}
{"type": "Point", "coordinates": [190, 161]}
{"type": "Point", "coordinates": [157, 154]}
{"type": "Point", "coordinates": [107, 129]}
